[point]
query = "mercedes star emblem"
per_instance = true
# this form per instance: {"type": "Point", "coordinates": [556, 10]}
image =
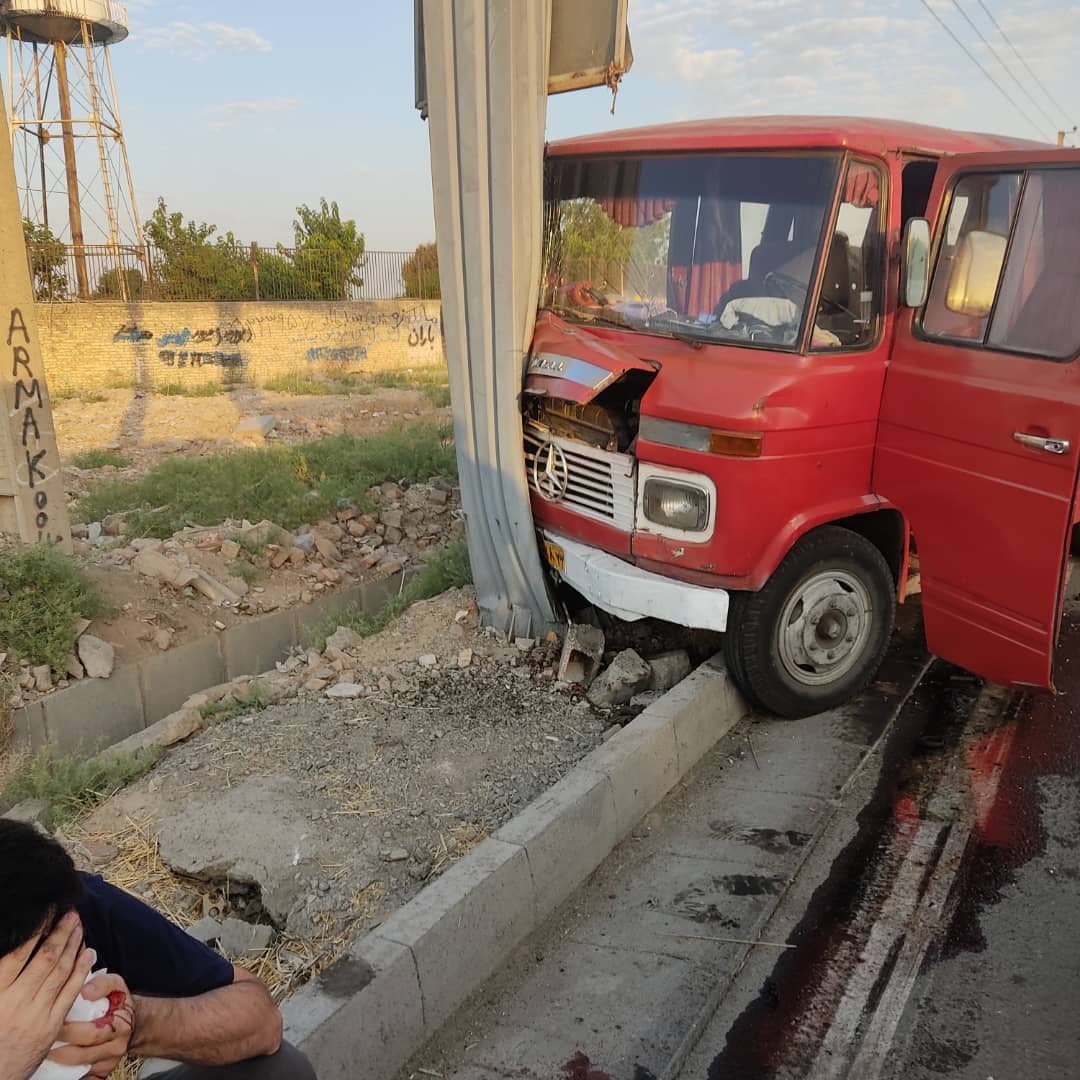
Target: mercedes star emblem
{"type": "Point", "coordinates": [550, 474]}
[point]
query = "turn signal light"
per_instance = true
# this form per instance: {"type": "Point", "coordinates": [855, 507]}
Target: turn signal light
{"type": "Point", "coordinates": [736, 443]}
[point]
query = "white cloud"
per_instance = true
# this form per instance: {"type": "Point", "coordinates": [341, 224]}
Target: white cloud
{"type": "Point", "coordinates": [190, 39]}
{"type": "Point", "coordinates": [254, 107]}
{"type": "Point", "coordinates": [848, 57]}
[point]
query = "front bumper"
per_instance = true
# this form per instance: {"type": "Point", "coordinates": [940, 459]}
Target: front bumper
{"type": "Point", "coordinates": [630, 593]}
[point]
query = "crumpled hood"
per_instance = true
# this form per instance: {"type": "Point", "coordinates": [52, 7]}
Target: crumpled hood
{"type": "Point", "coordinates": [570, 363]}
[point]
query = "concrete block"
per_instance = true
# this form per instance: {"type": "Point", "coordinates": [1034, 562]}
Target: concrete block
{"type": "Point", "coordinates": [641, 762]}
{"type": "Point", "coordinates": [95, 713]}
{"type": "Point", "coordinates": [462, 927]}
{"type": "Point", "coordinates": [170, 678]}
{"type": "Point", "coordinates": [30, 731]}
{"type": "Point", "coordinates": [251, 648]}
{"type": "Point", "coordinates": [566, 833]}
{"type": "Point", "coordinates": [378, 592]}
{"type": "Point", "coordinates": [365, 1008]}
{"type": "Point", "coordinates": [308, 619]}
{"type": "Point", "coordinates": [703, 708]}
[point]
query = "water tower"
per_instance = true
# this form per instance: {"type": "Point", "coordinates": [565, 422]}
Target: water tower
{"type": "Point", "coordinates": [71, 160]}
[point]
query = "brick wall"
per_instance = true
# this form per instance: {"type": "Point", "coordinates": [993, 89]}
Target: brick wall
{"type": "Point", "coordinates": [102, 345]}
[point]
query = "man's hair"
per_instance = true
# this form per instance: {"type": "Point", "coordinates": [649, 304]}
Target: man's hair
{"type": "Point", "coordinates": [38, 884]}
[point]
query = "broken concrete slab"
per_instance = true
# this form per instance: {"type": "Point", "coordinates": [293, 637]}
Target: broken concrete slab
{"type": "Point", "coordinates": [42, 675]}
{"type": "Point", "coordinates": [239, 939]}
{"type": "Point", "coordinates": [256, 833]}
{"type": "Point", "coordinates": [30, 812]}
{"type": "Point", "coordinates": [620, 681]}
{"type": "Point", "coordinates": [345, 690]}
{"type": "Point", "coordinates": [153, 564]}
{"type": "Point", "coordinates": [98, 657]}
{"type": "Point", "coordinates": [205, 930]}
{"type": "Point", "coordinates": [668, 670]}
{"type": "Point", "coordinates": [173, 729]}
{"type": "Point", "coordinates": [343, 638]}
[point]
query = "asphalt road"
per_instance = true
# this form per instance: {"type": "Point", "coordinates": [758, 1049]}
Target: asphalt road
{"type": "Point", "coordinates": [999, 996]}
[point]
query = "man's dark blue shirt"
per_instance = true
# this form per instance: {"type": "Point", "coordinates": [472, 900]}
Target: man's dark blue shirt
{"type": "Point", "coordinates": [154, 957]}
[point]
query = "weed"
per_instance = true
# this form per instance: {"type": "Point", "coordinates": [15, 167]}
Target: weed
{"type": "Point", "coordinates": [433, 382]}
{"type": "Point", "coordinates": [297, 385]}
{"type": "Point", "coordinates": [256, 543]}
{"type": "Point", "coordinates": [448, 569]}
{"type": "Point", "coordinates": [42, 596]}
{"type": "Point", "coordinates": [244, 571]}
{"type": "Point", "coordinates": [230, 708]}
{"type": "Point", "coordinates": [85, 397]}
{"type": "Point", "coordinates": [192, 390]}
{"type": "Point", "coordinates": [99, 459]}
{"type": "Point", "coordinates": [288, 485]}
{"type": "Point", "coordinates": [72, 786]}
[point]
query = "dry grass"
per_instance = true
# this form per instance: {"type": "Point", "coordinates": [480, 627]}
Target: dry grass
{"type": "Point", "coordinates": [138, 869]}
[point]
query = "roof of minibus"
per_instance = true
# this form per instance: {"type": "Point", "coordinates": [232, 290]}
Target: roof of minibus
{"type": "Point", "coordinates": [863, 134]}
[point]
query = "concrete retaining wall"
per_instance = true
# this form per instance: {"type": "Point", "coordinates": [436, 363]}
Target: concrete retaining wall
{"type": "Point", "coordinates": [97, 713]}
{"type": "Point", "coordinates": [105, 345]}
{"type": "Point", "coordinates": [376, 1007]}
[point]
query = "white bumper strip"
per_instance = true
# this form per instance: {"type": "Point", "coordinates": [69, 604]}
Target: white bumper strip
{"type": "Point", "coordinates": [630, 593]}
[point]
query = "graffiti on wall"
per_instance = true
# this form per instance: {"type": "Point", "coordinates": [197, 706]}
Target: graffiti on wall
{"type": "Point", "coordinates": [35, 469]}
{"type": "Point", "coordinates": [172, 358]}
{"type": "Point", "coordinates": [344, 355]}
{"type": "Point", "coordinates": [334, 334]}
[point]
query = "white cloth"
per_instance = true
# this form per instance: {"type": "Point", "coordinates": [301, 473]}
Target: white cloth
{"type": "Point", "coordinates": [81, 1012]}
{"type": "Point", "coordinates": [773, 310]}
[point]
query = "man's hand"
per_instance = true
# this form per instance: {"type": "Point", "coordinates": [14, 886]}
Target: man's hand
{"type": "Point", "coordinates": [102, 1043]}
{"type": "Point", "coordinates": [35, 997]}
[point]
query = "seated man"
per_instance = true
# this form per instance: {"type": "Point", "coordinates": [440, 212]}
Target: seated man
{"type": "Point", "coordinates": [169, 996]}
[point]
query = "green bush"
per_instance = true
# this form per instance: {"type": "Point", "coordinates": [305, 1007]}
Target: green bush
{"type": "Point", "coordinates": [288, 485]}
{"type": "Point", "coordinates": [449, 568]}
{"type": "Point", "coordinates": [72, 786]}
{"type": "Point", "coordinates": [43, 594]}
{"type": "Point", "coordinates": [99, 459]}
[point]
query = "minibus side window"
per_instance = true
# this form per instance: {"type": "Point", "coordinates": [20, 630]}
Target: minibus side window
{"type": "Point", "coordinates": [1038, 306]}
{"type": "Point", "coordinates": [1009, 272]}
{"type": "Point", "coordinates": [849, 311]}
{"type": "Point", "coordinates": [972, 251]}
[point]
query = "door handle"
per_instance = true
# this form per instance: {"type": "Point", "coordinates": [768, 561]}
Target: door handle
{"type": "Point", "coordinates": [1042, 442]}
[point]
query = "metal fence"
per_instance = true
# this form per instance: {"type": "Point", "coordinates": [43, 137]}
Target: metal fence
{"type": "Point", "coordinates": [224, 272]}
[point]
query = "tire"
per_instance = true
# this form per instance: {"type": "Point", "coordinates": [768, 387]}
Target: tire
{"type": "Point", "coordinates": [816, 634]}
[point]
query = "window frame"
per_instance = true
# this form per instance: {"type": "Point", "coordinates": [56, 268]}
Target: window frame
{"type": "Point", "coordinates": [885, 175]}
{"type": "Point", "coordinates": [918, 327]}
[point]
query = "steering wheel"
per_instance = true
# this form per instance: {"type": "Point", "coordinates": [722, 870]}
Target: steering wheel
{"type": "Point", "coordinates": [786, 287]}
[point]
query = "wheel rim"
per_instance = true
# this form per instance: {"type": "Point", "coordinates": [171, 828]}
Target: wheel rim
{"type": "Point", "coordinates": [825, 627]}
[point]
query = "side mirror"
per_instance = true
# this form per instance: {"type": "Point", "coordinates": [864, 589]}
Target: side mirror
{"type": "Point", "coordinates": [976, 269]}
{"type": "Point", "coordinates": [915, 277]}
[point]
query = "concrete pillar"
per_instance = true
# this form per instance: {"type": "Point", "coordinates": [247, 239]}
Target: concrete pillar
{"type": "Point", "coordinates": [487, 68]}
{"type": "Point", "coordinates": [32, 502]}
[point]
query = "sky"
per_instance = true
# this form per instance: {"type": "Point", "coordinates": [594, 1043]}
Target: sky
{"type": "Point", "coordinates": [236, 111]}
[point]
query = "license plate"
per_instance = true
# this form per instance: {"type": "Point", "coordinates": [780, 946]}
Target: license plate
{"type": "Point", "coordinates": [555, 555]}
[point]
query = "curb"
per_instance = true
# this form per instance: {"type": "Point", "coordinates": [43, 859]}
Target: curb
{"type": "Point", "coordinates": [401, 982]}
{"type": "Point", "coordinates": [98, 713]}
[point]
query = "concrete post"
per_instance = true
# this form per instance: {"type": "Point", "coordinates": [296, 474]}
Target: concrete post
{"type": "Point", "coordinates": [32, 503]}
{"type": "Point", "coordinates": [486, 66]}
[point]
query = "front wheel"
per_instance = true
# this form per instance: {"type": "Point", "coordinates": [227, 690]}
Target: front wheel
{"type": "Point", "coordinates": [816, 634]}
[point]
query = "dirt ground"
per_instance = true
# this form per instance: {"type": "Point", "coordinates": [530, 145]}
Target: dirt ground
{"type": "Point", "coordinates": [148, 427]}
{"type": "Point", "coordinates": [144, 617]}
{"type": "Point", "coordinates": [322, 815]}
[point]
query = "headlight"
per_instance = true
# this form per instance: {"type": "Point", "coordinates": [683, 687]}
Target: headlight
{"type": "Point", "coordinates": [675, 505]}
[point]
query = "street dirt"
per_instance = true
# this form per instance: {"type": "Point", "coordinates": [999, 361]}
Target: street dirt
{"type": "Point", "coordinates": [379, 763]}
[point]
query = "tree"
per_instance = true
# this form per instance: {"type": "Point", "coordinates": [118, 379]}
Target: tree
{"type": "Point", "coordinates": [420, 273]}
{"type": "Point", "coordinates": [48, 261]}
{"type": "Point", "coordinates": [110, 282]}
{"type": "Point", "coordinates": [187, 266]}
{"type": "Point", "coordinates": [329, 252]}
